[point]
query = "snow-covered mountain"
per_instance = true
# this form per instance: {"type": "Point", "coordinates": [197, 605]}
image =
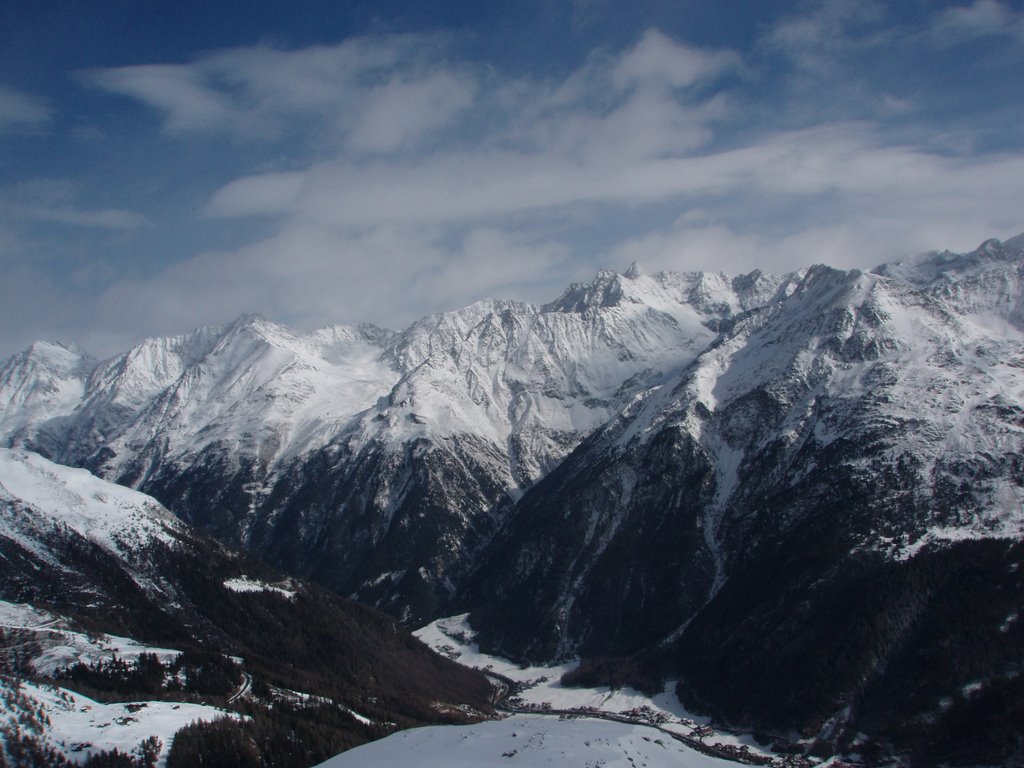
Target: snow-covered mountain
{"type": "Point", "coordinates": [378, 462]}
{"type": "Point", "coordinates": [107, 595]}
{"type": "Point", "coordinates": [802, 516]}
{"type": "Point", "coordinates": [39, 496]}
{"type": "Point", "coordinates": [531, 378]}
{"type": "Point", "coordinates": [38, 387]}
{"type": "Point", "coordinates": [714, 476]}
{"type": "Point", "coordinates": [68, 538]}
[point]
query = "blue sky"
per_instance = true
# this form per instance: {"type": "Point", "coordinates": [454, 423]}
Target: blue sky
{"type": "Point", "coordinates": [164, 166]}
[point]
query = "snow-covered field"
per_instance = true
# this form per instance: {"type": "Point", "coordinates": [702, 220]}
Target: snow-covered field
{"type": "Point", "coordinates": [80, 727]}
{"type": "Point", "coordinates": [528, 740]}
{"type": "Point", "coordinates": [245, 584]}
{"type": "Point", "coordinates": [62, 647]}
{"type": "Point", "coordinates": [75, 724]}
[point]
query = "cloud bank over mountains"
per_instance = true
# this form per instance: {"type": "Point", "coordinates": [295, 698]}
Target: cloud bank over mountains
{"type": "Point", "coordinates": [394, 174]}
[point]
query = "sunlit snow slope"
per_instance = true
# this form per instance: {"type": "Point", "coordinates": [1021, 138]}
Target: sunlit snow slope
{"type": "Point", "coordinates": [531, 740]}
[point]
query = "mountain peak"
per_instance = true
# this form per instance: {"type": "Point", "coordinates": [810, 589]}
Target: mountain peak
{"type": "Point", "coordinates": [634, 271]}
{"type": "Point", "coordinates": [933, 266]}
{"type": "Point", "coordinates": [605, 290]}
{"type": "Point", "coordinates": [1015, 243]}
{"type": "Point", "coordinates": [52, 347]}
{"type": "Point", "coordinates": [53, 355]}
{"type": "Point", "coordinates": [255, 324]}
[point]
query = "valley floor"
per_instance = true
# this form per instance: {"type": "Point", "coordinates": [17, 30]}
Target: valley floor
{"type": "Point", "coordinates": [540, 693]}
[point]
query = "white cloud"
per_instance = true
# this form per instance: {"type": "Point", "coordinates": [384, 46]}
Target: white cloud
{"type": "Point", "coordinates": [387, 229]}
{"type": "Point", "coordinates": [434, 181]}
{"type": "Point", "coordinates": [497, 264]}
{"type": "Point", "coordinates": [722, 247]}
{"type": "Point", "coordinates": [982, 18]}
{"type": "Point", "coordinates": [382, 92]}
{"type": "Point", "coordinates": [690, 246]}
{"type": "Point", "coordinates": [180, 92]}
{"type": "Point", "coordinates": [846, 159]}
{"type": "Point", "coordinates": [56, 201]}
{"type": "Point", "coordinates": [104, 218]}
{"type": "Point", "coordinates": [310, 277]}
{"type": "Point", "coordinates": [268, 193]}
{"type": "Point", "coordinates": [32, 307]}
{"type": "Point", "coordinates": [865, 203]}
{"type": "Point", "coordinates": [397, 114]}
{"type": "Point", "coordinates": [388, 94]}
{"type": "Point", "coordinates": [822, 32]}
{"type": "Point", "coordinates": [317, 78]}
{"type": "Point", "coordinates": [20, 110]}
{"type": "Point", "coordinates": [657, 60]}
{"type": "Point", "coordinates": [390, 243]}
{"type": "Point", "coordinates": [603, 134]}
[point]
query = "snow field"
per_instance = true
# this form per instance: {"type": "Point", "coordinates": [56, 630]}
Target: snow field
{"type": "Point", "coordinates": [118, 519]}
{"type": "Point", "coordinates": [80, 727]}
{"type": "Point", "coordinates": [527, 740]}
{"type": "Point", "coordinates": [245, 584]}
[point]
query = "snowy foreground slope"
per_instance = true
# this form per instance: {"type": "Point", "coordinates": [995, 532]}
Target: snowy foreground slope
{"type": "Point", "coordinates": [43, 506]}
{"type": "Point", "coordinates": [528, 740]}
{"type": "Point", "coordinates": [71, 724]}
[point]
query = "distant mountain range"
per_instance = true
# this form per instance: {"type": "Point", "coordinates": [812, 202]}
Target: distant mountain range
{"type": "Point", "coordinates": [798, 495]}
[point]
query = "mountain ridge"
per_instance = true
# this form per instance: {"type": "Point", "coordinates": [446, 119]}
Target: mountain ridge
{"type": "Point", "coordinates": [255, 402]}
{"type": "Point", "coordinates": [662, 468]}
